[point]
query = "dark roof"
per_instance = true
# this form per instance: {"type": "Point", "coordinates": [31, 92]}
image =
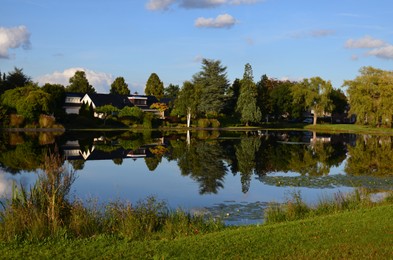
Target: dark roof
{"type": "Point", "coordinates": [118, 101]}
{"type": "Point", "coordinates": [74, 94]}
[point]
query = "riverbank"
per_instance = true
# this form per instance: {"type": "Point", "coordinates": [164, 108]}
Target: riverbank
{"type": "Point", "coordinates": [359, 234]}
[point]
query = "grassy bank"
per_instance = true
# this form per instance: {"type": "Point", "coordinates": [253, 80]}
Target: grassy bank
{"type": "Point", "coordinates": [365, 233]}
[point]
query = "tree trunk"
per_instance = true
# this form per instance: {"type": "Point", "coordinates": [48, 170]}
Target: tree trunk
{"type": "Point", "coordinates": [188, 117]}
{"type": "Point", "coordinates": [315, 119]}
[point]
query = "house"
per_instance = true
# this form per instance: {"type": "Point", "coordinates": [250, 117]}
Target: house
{"type": "Point", "coordinates": [73, 103]}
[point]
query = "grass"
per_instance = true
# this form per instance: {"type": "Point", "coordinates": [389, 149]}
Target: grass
{"type": "Point", "coordinates": [358, 234]}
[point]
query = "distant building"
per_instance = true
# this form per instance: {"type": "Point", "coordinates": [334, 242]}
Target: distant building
{"type": "Point", "coordinates": [74, 101]}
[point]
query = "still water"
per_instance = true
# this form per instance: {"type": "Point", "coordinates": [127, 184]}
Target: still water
{"type": "Point", "coordinates": [232, 175]}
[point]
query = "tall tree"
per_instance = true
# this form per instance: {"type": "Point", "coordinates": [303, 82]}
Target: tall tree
{"type": "Point", "coordinates": [282, 100]}
{"type": "Point", "coordinates": [57, 93]}
{"type": "Point", "coordinates": [14, 79]}
{"type": "Point", "coordinates": [186, 102]}
{"type": "Point", "coordinates": [233, 96]}
{"type": "Point", "coordinates": [247, 102]}
{"type": "Point", "coordinates": [339, 100]}
{"type": "Point", "coordinates": [212, 86]}
{"type": "Point", "coordinates": [80, 84]}
{"type": "Point", "coordinates": [315, 93]}
{"type": "Point", "coordinates": [154, 86]}
{"type": "Point", "coordinates": [371, 95]}
{"type": "Point", "coordinates": [120, 87]}
{"type": "Point", "coordinates": [264, 88]}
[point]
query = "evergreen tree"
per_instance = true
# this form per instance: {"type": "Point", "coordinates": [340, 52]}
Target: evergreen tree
{"type": "Point", "coordinates": [120, 87]}
{"type": "Point", "coordinates": [154, 86]}
{"type": "Point", "coordinates": [186, 102]}
{"type": "Point", "coordinates": [247, 102]}
{"type": "Point", "coordinates": [14, 79]}
{"type": "Point", "coordinates": [211, 87]}
{"type": "Point", "coordinates": [80, 84]}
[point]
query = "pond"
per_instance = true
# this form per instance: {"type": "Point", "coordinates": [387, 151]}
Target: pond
{"type": "Point", "coordinates": [232, 175]}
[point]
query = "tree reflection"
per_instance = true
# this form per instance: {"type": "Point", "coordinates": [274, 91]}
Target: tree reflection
{"type": "Point", "coordinates": [203, 162]}
{"type": "Point", "coordinates": [372, 155]}
{"type": "Point", "coordinates": [245, 154]}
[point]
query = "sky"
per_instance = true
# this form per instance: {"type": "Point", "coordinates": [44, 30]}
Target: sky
{"type": "Point", "coordinates": [284, 39]}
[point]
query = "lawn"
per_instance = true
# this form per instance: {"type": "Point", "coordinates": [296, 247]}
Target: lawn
{"type": "Point", "coordinates": [359, 234]}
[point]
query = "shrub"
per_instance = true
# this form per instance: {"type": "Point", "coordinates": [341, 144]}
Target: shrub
{"type": "Point", "coordinates": [16, 120]}
{"type": "Point", "coordinates": [46, 121]}
{"type": "Point", "coordinates": [215, 123]}
{"type": "Point", "coordinates": [203, 123]}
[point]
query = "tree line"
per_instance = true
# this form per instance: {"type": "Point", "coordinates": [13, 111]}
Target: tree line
{"type": "Point", "coordinates": [210, 98]}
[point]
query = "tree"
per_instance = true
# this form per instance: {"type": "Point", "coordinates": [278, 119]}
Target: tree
{"type": "Point", "coordinates": [14, 79]}
{"type": "Point", "coordinates": [264, 87]}
{"type": "Point", "coordinates": [233, 96]}
{"type": "Point", "coordinates": [134, 112]}
{"type": "Point", "coordinates": [106, 111]}
{"type": "Point", "coordinates": [315, 93]}
{"type": "Point", "coordinates": [80, 84]}
{"type": "Point", "coordinates": [211, 85]}
{"type": "Point", "coordinates": [57, 93]}
{"type": "Point", "coordinates": [339, 100]}
{"type": "Point", "coordinates": [120, 87]}
{"type": "Point", "coordinates": [154, 86]}
{"type": "Point", "coordinates": [29, 101]}
{"type": "Point", "coordinates": [172, 91]}
{"type": "Point", "coordinates": [186, 102]}
{"type": "Point", "coordinates": [282, 100]}
{"type": "Point", "coordinates": [247, 102]}
{"type": "Point", "coordinates": [370, 96]}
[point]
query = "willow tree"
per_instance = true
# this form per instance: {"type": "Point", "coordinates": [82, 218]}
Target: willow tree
{"type": "Point", "coordinates": [314, 94]}
{"type": "Point", "coordinates": [247, 101]}
{"type": "Point", "coordinates": [371, 95]}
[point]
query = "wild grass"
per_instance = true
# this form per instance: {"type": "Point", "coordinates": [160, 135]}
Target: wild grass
{"type": "Point", "coordinates": [44, 211]}
{"type": "Point", "coordinates": [295, 208]}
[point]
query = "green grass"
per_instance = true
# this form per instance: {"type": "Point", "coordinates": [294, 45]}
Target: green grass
{"type": "Point", "coordinates": [358, 234]}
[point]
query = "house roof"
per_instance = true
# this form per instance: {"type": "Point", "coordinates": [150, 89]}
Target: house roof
{"type": "Point", "coordinates": [150, 100]}
{"type": "Point", "coordinates": [118, 101]}
{"type": "Point", "coordinates": [74, 94]}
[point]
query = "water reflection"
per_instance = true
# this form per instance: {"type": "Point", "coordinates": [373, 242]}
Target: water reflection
{"type": "Point", "coordinates": [234, 166]}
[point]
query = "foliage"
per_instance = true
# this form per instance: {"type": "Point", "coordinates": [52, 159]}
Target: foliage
{"type": "Point", "coordinates": [29, 101]}
{"type": "Point", "coordinates": [154, 86]}
{"type": "Point", "coordinates": [14, 79]}
{"type": "Point", "coordinates": [120, 87]}
{"type": "Point", "coordinates": [370, 96]}
{"type": "Point", "coordinates": [247, 102]}
{"type": "Point", "coordinates": [211, 85]}
{"type": "Point", "coordinates": [172, 91]}
{"type": "Point", "coordinates": [106, 111]}
{"type": "Point", "coordinates": [57, 97]}
{"type": "Point", "coordinates": [46, 121]}
{"type": "Point", "coordinates": [357, 234]}
{"type": "Point", "coordinates": [339, 100]}
{"type": "Point", "coordinates": [315, 93]}
{"type": "Point", "coordinates": [159, 106]}
{"type": "Point", "coordinates": [80, 84]}
{"type": "Point", "coordinates": [186, 103]}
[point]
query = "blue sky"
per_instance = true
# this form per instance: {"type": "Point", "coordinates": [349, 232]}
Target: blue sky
{"type": "Point", "coordinates": [284, 39]}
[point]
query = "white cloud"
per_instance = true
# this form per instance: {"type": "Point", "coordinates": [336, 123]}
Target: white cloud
{"type": "Point", "coordinates": [221, 21]}
{"type": "Point", "coordinates": [322, 33]}
{"type": "Point", "coordinates": [385, 52]}
{"type": "Point", "coordinates": [379, 48]}
{"type": "Point", "coordinates": [365, 42]}
{"type": "Point", "coordinates": [12, 38]}
{"type": "Point", "coordinates": [154, 5]}
{"type": "Point", "coordinates": [99, 80]}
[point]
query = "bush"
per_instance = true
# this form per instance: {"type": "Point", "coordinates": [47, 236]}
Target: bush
{"type": "Point", "coordinates": [16, 120]}
{"type": "Point", "coordinates": [46, 121]}
{"type": "Point", "coordinates": [215, 123]}
{"type": "Point", "coordinates": [203, 123]}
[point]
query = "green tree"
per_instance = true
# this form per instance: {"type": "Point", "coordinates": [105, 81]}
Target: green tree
{"type": "Point", "coordinates": [120, 87]}
{"type": "Point", "coordinates": [14, 79]}
{"type": "Point", "coordinates": [264, 88]}
{"type": "Point", "coordinates": [315, 93]}
{"type": "Point", "coordinates": [57, 93]}
{"type": "Point", "coordinates": [339, 100]}
{"type": "Point", "coordinates": [105, 111]}
{"type": "Point", "coordinates": [29, 101]}
{"type": "Point", "coordinates": [211, 87]}
{"type": "Point", "coordinates": [154, 86]}
{"type": "Point", "coordinates": [233, 96]}
{"type": "Point", "coordinates": [80, 84]}
{"type": "Point", "coordinates": [186, 102]}
{"type": "Point", "coordinates": [247, 102]}
{"type": "Point", "coordinates": [172, 91]}
{"type": "Point", "coordinates": [370, 96]}
{"type": "Point", "coordinates": [282, 100]}
{"type": "Point", "coordinates": [135, 113]}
